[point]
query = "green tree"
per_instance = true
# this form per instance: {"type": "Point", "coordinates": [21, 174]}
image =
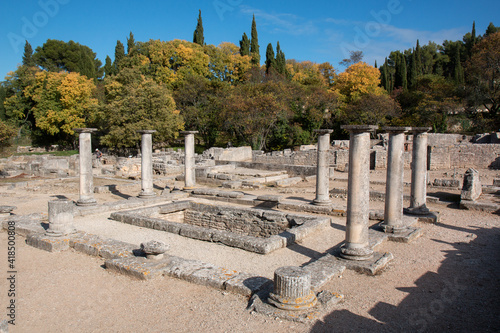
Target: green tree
{"type": "Point", "coordinates": [412, 70]}
{"type": "Point", "coordinates": [28, 55]}
{"type": "Point", "coordinates": [244, 45]}
{"type": "Point", "coordinates": [270, 60]}
{"type": "Point", "coordinates": [56, 55]}
{"type": "Point", "coordinates": [198, 37]}
{"type": "Point", "coordinates": [280, 60]}
{"type": "Point", "coordinates": [130, 43]}
{"type": "Point", "coordinates": [7, 132]}
{"type": "Point", "coordinates": [135, 102]}
{"type": "Point", "coordinates": [3, 96]}
{"type": "Point", "coordinates": [119, 56]}
{"type": "Point", "coordinates": [418, 59]}
{"type": "Point", "coordinates": [491, 29]}
{"type": "Point", "coordinates": [108, 67]}
{"type": "Point", "coordinates": [254, 44]}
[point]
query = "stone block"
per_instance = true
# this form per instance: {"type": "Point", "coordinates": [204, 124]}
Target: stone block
{"type": "Point", "coordinates": [246, 284]}
{"type": "Point", "coordinates": [471, 189]}
{"type": "Point", "coordinates": [324, 269]}
{"type": "Point", "coordinates": [182, 268]}
{"type": "Point", "coordinates": [496, 182]}
{"type": "Point", "coordinates": [46, 243]}
{"type": "Point", "coordinates": [214, 277]}
{"type": "Point", "coordinates": [235, 184]}
{"type": "Point", "coordinates": [446, 182]}
{"type": "Point", "coordinates": [138, 267]}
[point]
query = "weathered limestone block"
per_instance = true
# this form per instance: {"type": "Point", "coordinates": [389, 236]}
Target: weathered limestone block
{"type": "Point", "coordinates": [471, 190]}
{"type": "Point", "coordinates": [154, 249]}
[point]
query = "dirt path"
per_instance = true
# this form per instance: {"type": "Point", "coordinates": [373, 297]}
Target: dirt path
{"type": "Point", "coordinates": [447, 280]}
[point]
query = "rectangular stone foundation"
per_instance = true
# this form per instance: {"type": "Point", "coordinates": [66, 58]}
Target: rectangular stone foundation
{"type": "Point", "coordinates": [255, 230]}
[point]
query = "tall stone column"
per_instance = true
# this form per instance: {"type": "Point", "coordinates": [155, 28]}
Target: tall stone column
{"type": "Point", "coordinates": [393, 214]}
{"type": "Point", "coordinates": [190, 180]}
{"type": "Point", "coordinates": [357, 244]}
{"type": "Point", "coordinates": [419, 172]}
{"type": "Point", "coordinates": [323, 170]}
{"type": "Point", "coordinates": [147, 164]}
{"type": "Point", "coordinates": [86, 177]}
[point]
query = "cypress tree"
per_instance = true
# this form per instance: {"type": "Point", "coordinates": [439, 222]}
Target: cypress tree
{"type": "Point", "coordinates": [375, 64]}
{"type": "Point", "coordinates": [270, 60]}
{"type": "Point", "coordinates": [280, 60]}
{"type": "Point", "coordinates": [412, 72]}
{"type": "Point", "coordinates": [108, 67]}
{"type": "Point", "coordinates": [404, 72]}
{"type": "Point", "coordinates": [418, 59]}
{"type": "Point", "coordinates": [28, 55]}
{"type": "Point", "coordinates": [198, 32]}
{"type": "Point", "coordinates": [458, 72]}
{"type": "Point", "coordinates": [119, 55]}
{"type": "Point", "coordinates": [244, 45]}
{"type": "Point", "coordinates": [254, 44]}
{"type": "Point", "coordinates": [400, 79]}
{"type": "Point", "coordinates": [130, 43]}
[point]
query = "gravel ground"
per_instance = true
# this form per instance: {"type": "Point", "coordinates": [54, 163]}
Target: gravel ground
{"type": "Point", "coordinates": [446, 280]}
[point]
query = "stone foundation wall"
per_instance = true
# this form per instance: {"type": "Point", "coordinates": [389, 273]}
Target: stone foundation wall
{"type": "Point", "coordinates": [242, 221]}
{"type": "Point", "coordinates": [465, 155]}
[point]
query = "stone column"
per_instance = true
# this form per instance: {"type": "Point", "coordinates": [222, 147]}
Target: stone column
{"type": "Point", "coordinates": [323, 170]}
{"type": "Point", "coordinates": [357, 245]}
{"type": "Point", "coordinates": [292, 289]}
{"type": "Point", "coordinates": [419, 172]}
{"type": "Point", "coordinates": [147, 164]}
{"type": "Point", "coordinates": [190, 180]}
{"type": "Point", "coordinates": [86, 177]}
{"type": "Point", "coordinates": [393, 214]}
{"type": "Point", "coordinates": [60, 218]}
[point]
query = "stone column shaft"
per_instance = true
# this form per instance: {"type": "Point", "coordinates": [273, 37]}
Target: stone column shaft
{"type": "Point", "coordinates": [393, 214]}
{"type": "Point", "coordinates": [357, 245]}
{"type": "Point", "coordinates": [147, 164]}
{"type": "Point", "coordinates": [292, 289]}
{"type": "Point", "coordinates": [189, 163]}
{"type": "Point", "coordinates": [323, 170]}
{"type": "Point", "coordinates": [60, 218]}
{"type": "Point", "coordinates": [86, 176]}
{"type": "Point", "coordinates": [419, 172]}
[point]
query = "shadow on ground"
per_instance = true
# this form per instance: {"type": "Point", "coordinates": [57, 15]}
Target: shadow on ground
{"type": "Point", "coordinates": [463, 296]}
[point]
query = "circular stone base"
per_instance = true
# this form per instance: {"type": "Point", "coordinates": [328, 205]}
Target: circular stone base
{"type": "Point", "coordinates": [147, 195]}
{"type": "Point", "coordinates": [322, 202]}
{"type": "Point", "coordinates": [392, 229]}
{"type": "Point", "coordinates": [86, 202]}
{"type": "Point", "coordinates": [359, 254]}
{"type": "Point", "coordinates": [52, 233]}
{"type": "Point", "coordinates": [422, 210]}
{"type": "Point", "coordinates": [297, 304]}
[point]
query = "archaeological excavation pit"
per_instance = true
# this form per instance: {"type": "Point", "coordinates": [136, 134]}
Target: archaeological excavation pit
{"type": "Point", "coordinates": [256, 230]}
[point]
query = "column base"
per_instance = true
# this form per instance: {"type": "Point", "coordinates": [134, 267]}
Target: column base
{"type": "Point", "coordinates": [393, 229]}
{"type": "Point", "coordinates": [420, 210]}
{"type": "Point", "coordinates": [319, 202]}
{"type": "Point", "coordinates": [52, 233]}
{"type": "Point", "coordinates": [86, 202]}
{"type": "Point", "coordinates": [358, 254]}
{"type": "Point", "coordinates": [147, 195]}
{"type": "Point", "coordinates": [296, 304]}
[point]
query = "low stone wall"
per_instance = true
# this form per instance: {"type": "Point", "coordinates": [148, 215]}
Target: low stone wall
{"type": "Point", "coordinates": [242, 221]}
{"type": "Point", "coordinates": [40, 165]}
{"type": "Point", "coordinates": [465, 155]}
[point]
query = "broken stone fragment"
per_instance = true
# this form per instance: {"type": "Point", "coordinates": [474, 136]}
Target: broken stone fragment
{"type": "Point", "coordinates": [154, 249]}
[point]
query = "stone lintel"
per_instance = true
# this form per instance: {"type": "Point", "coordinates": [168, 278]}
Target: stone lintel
{"type": "Point", "coordinates": [146, 131]}
{"type": "Point", "coordinates": [84, 130]}
{"type": "Point", "coordinates": [359, 128]}
{"type": "Point", "coordinates": [188, 132]}
{"type": "Point", "coordinates": [398, 129]}
{"type": "Point", "coordinates": [323, 131]}
{"type": "Point", "coordinates": [421, 129]}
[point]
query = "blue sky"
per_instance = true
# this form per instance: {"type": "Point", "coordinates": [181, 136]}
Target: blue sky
{"type": "Point", "coordinates": [318, 31]}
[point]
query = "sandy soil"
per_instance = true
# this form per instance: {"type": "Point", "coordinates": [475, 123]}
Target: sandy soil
{"type": "Point", "coordinates": [446, 280]}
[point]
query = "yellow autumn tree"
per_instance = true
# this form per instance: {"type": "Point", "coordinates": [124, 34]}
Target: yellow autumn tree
{"type": "Point", "coordinates": [62, 101]}
{"type": "Point", "coordinates": [358, 79]}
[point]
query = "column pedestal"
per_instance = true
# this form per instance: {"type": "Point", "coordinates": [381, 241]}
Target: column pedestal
{"type": "Point", "coordinates": [323, 170]}
{"type": "Point", "coordinates": [189, 163]}
{"type": "Point", "coordinates": [86, 176]}
{"type": "Point", "coordinates": [147, 164]}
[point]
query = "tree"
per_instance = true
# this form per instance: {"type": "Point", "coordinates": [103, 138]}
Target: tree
{"type": "Point", "coordinates": [354, 57]}
{"type": "Point", "coordinates": [56, 55]}
{"type": "Point", "coordinates": [270, 60]}
{"type": "Point", "coordinates": [371, 109]}
{"type": "Point", "coordinates": [119, 55]}
{"type": "Point", "coordinates": [62, 102]}
{"type": "Point", "coordinates": [135, 102]}
{"type": "Point", "coordinates": [226, 64]}
{"type": "Point", "coordinates": [357, 80]}
{"type": "Point", "coordinates": [108, 67]}
{"type": "Point", "coordinates": [483, 75]}
{"type": "Point", "coordinates": [280, 60]}
{"type": "Point", "coordinates": [254, 44]}
{"type": "Point", "coordinates": [198, 37]}
{"type": "Point", "coordinates": [28, 55]}
{"type": "Point", "coordinates": [244, 45]}
{"type": "Point", "coordinates": [7, 132]}
{"type": "Point", "coordinates": [130, 43]}
{"type": "Point", "coordinates": [491, 29]}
